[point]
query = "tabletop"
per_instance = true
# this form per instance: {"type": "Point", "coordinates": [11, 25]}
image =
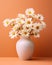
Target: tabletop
{"type": "Point", "coordinates": [17, 61]}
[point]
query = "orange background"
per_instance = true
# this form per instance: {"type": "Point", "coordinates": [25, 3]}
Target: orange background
{"type": "Point", "coordinates": [10, 9]}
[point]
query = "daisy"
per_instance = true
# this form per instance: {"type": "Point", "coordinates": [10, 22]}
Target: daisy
{"type": "Point", "coordinates": [32, 26]}
{"type": "Point", "coordinates": [37, 27]}
{"type": "Point", "coordinates": [6, 22]}
{"type": "Point", "coordinates": [29, 11]}
{"type": "Point", "coordinates": [40, 17]}
{"type": "Point", "coordinates": [13, 34]}
{"type": "Point", "coordinates": [13, 22]}
{"type": "Point", "coordinates": [20, 21]}
{"type": "Point", "coordinates": [22, 16]}
{"type": "Point", "coordinates": [16, 27]}
{"type": "Point", "coordinates": [36, 35]}
{"type": "Point", "coordinates": [28, 21]}
{"type": "Point", "coordinates": [27, 27]}
{"type": "Point", "coordinates": [24, 33]}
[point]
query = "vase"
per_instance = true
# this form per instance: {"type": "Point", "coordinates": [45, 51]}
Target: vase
{"type": "Point", "coordinates": [25, 48]}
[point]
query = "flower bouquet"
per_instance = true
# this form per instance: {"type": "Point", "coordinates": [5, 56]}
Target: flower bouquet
{"type": "Point", "coordinates": [24, 26]}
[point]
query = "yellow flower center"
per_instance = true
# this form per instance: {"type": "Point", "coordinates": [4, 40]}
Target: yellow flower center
{"type": "Point", "coordinates": [20, 22]}
{"type": "Point", "coordinates": [28, 22]}
{"type": "Point", "coordinates": [29, 12]}
{"type": "Point", "coordinates": [27, 27]}
{"type": "Point", "coordinates": [37, 27]}
{"type": "Point", "coordinates": [7, 22]}
{"type": "Point", "coordinates": [19, 28]}
{"type": "Point", "coordinates": [39, 17]}
{"type": "Point", "coordinates": [35, 33]}
{"type": "Point", "coordinates": [25, 33]}
{"type": "Point", "coordinates": [13, 33]}
{"type": "Point", "coordinates": [12, 24]}
{"type": "Point", "coordinates": [15, 28]}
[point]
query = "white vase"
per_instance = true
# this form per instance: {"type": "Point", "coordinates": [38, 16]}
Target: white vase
{"type": "Point", "coordinates": [25, 48]}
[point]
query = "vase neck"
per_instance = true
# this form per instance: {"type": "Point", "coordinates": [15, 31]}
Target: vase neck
{"type": "Point", "coordinates": [25, 37]}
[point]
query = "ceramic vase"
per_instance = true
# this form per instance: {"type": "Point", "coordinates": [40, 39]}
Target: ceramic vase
{"type": "Point", "coordinates": [25, 48]}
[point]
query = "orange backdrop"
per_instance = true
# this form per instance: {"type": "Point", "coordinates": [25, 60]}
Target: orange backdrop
{"type": "Point", "coordinates": [10, 9]}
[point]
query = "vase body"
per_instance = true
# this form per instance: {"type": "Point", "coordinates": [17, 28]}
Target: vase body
{"type": "Point", "coordinates": [25, 48]}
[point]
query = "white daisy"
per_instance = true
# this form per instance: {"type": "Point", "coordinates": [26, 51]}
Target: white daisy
{"type": "Point", "coordinates": [13, 34]}
{"type": "Point", "coordinates": [21, 16]}
{"type": "Point", "coordinates": [13, 22]}
{"type": "Point", "coordinates": [24, 33]}
{"type": "Point", "coordinates": [37, 27]}
{"type": "Point", "coordinates": [36, 35]}
{"type": "Point", "coordinates": [6, 22]}
{"type": "Point", "coordinates": [29, 11]}
{"type": "Point", "coordinates": [40, 17]}
{"type": "Point", "coordinates": [27, 27]}
{"type": "Point", "coordinates": [32, 26]}
{"type": "Point", "coordinates": [20, 21]}
{"type": "Point", "coordinates": [28, 21]}
{"type": "Point", "coordinates": [16, 27]}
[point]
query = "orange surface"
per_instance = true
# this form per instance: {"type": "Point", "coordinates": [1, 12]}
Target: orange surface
{"type": "Point", "coordinates": [16, 61]}
{"type": "Point", "coordinates": [10, 9]}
